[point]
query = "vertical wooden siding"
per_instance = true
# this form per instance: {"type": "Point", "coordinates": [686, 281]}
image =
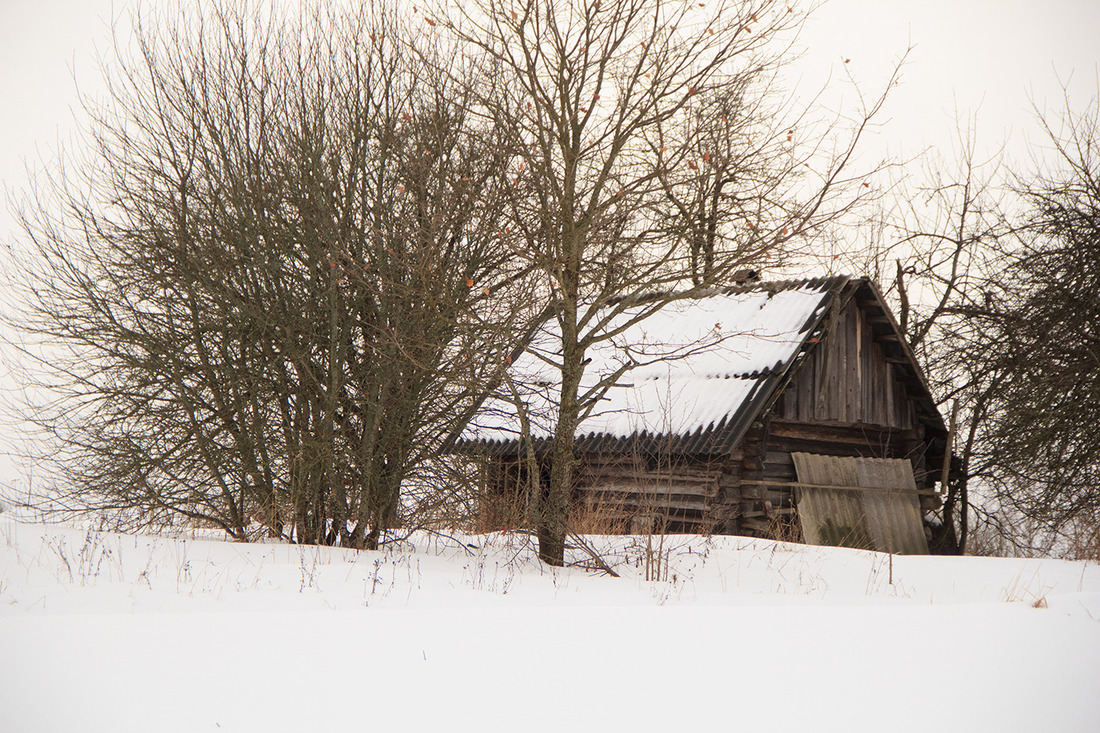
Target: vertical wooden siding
{"type": "Point", "coordinates": [848, 378]}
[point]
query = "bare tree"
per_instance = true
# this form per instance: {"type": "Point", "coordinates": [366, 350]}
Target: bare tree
{"type": "Point", "coordinates": [276, 281]}
{"type": "Point", "coordinates": [944, 241]}
{"type": "Point", "coordinates": [995, 283]}
{"type": "Point", "coordinates": [1045, 323]}
{"type": "Point", "coordinates": [633, 187]}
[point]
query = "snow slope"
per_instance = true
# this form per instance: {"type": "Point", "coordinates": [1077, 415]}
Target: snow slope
{"type": "Point", "coordinates": [106, 632]}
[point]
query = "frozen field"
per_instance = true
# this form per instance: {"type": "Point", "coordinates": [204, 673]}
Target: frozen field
{"type": "Point", "coordinates": [107, 632]}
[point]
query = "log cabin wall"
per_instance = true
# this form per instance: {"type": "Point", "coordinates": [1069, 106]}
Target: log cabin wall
{"type": "Point", "coordinates": [503, 497]}
{"type": "Point", "coordinates": [614, 493]}
{"type": "Point", "coordinates": [636, 492]}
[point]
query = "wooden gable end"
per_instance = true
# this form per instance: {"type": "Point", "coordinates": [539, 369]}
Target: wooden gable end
{"type": "Point", "coordinates": [850, 377]}
{"type": "Point", "coordinates": [857, 392]}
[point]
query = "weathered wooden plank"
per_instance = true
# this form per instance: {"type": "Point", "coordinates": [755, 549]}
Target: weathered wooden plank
{"type": "Point", "coordinates": [852, 449]}
{"type": "Point", "coordinates": [778, 457]}
{"type": "Point", "coordinates": [681, 472]}
{"type": "Point", "coordinates": [849, 400]}
{"type": "Point", "coordinates": [835, 369]}
{"type": "Point", "coordinates": [860, 403]}
{"type": "Point", "coordinates": [629, 487]}
{"type": "Point", "coordinates": [882, 385]}
{"type": "Point", "coordinates": [855, 441]}
{"type": "Point", "coordinates": [872, 408]}
{"type": "Point", "coordinates": [780, 498]}
{"type": "Point", "coordinates": [777, 472]}
{"type": "Point", "coordinates": [690, 524]}
{"type": "Point", "coordinates": [837, 431]}
{"type": "Point", "coordinates": [625, 506]}
{"type": "Point", "coordinates": [595, 474]}
{"type": "Point", "coordinates": [783, 405]}
{"type": "Point", "coordinates": [802, 485]}
{"type": "Point", "coordinates": [672, 475]}
{"type": "Point", "coordinates": [730, 484]}
{"type": "Point", "coordinates": [805, 386]}
{"type": "Point", "coordinates": [758, 526]}
{"type": "Point", "coordinates": [888, 387]}
{"type": "Point", "coordinates": [754, 490]}
{"type": "Point", "coordinates": [782, 511]}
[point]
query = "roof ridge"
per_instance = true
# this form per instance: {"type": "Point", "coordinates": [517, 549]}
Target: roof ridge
{"type": "Point", "coordinates": [822, 283]}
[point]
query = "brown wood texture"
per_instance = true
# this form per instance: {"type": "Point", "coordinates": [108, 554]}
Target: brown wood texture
{"type": "Point", "coordinates": [850, 378]}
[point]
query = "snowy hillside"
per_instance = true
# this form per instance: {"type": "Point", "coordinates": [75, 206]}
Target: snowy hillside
{"type": "Point", "coordinates": [105, 632]}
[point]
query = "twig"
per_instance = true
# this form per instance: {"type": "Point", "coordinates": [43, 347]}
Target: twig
{"type": "Point", "coordinates": [581, 544]}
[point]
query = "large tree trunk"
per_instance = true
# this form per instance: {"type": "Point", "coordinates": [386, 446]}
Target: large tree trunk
{"type": "Point", "coordinates": [553, 516]}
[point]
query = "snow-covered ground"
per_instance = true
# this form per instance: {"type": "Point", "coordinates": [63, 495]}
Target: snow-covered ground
{"type": "Point", "coordinates": [107, 632]}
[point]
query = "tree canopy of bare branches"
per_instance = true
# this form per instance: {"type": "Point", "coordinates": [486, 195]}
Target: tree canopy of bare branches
{"type": "Point", "coordinates": [274, 282]}
{"type": "Point", "coordinates": [650, 159]}
{"type": "Point", "coordinates": [1045, 327]}
{"type": "Point", "coordinates": [996, 283]}
{"type": "Point", "coordinates": [302, 244]}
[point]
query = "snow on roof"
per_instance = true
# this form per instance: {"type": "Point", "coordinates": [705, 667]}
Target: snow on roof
{"type": "Point", "coordinates": [698, 363]}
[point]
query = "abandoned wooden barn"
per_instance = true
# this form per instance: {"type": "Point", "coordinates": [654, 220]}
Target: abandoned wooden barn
{"type": "Point", "coordinates": [790, 409]}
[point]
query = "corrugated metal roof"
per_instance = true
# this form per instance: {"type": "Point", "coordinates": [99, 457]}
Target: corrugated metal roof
{"type": "Point", "coordinates": [877, 509]}
{"type": "Point", "coordinates": [704, 367]}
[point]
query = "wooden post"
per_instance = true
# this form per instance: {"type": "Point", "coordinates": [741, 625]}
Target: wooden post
{"type": "Point", "coordinates": [949, 504]}
{"type": "Point", "coordinates": [944, 476]}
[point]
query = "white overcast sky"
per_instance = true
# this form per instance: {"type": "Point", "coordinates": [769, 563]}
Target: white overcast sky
{"type": "Point", "coordinates": [992, 58]}
{"type": "Point", "coordinates": [989, 57]}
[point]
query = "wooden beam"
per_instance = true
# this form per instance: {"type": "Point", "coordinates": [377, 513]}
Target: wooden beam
{"type": "Point", "coordinates": [663, 489]}
{"type": "Point", "coordinates": [799, 485]}
{"type": "Point", "coordinates": [621, 506]}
